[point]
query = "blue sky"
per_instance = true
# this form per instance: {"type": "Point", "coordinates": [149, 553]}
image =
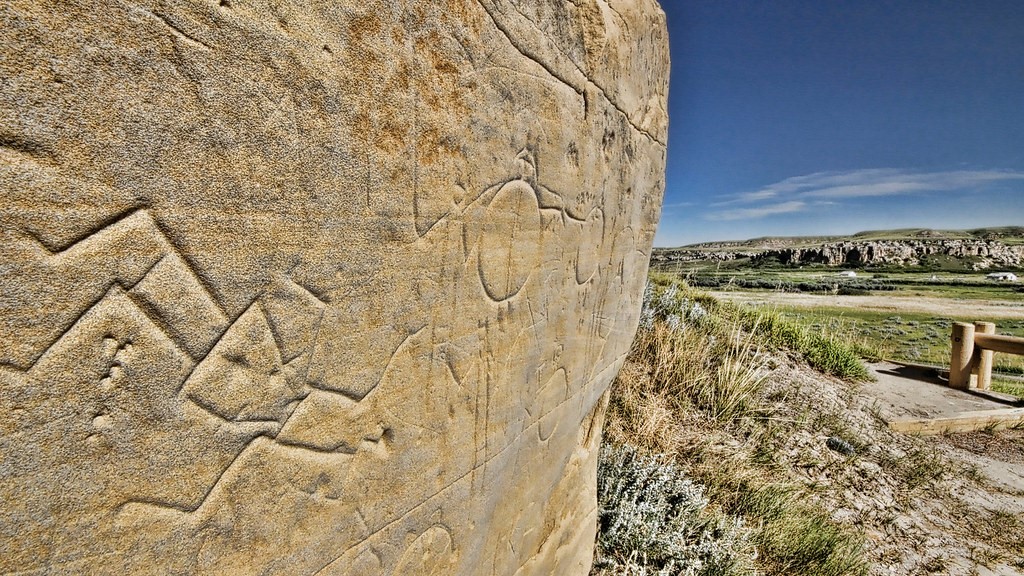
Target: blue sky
{"type": "Point", "coordinates": [831, 117]}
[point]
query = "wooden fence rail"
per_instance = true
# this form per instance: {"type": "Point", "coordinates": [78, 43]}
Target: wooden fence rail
{"type": "Point", "coordinates": [973, 346]}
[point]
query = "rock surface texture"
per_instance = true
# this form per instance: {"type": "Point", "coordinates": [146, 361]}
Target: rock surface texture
{"type": "Point", "coordinates": [317, 287]}
{"type": "Point", "coordinates": [984, 253]}
{"type": "Point", "coordinates": [981, 254]}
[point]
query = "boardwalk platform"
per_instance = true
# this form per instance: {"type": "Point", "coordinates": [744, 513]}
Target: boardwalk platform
{"type": "Point", "coordinates": [917, 399]}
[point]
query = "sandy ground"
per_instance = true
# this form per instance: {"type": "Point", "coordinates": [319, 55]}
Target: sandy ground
{"type": "Point", "coordinates": [945, 525]}
{"type": "Point", "coordinates": [909, 392]}
{"type": "Point", "coordinates": [960, 309]}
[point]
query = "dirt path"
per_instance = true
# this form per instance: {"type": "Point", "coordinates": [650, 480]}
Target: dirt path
{"type": "Point", "coordinates": [944, 504]}
{"type": "Point", "coordinates": [900, 392]}
{"type": "Point", "coordinates": [941, 307]}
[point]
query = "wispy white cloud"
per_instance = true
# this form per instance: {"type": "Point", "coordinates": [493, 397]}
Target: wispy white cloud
{"type": "Point", "coordinates": [759, 211]}
{"type": "Point", "coordinates": [764, 194]}
{"type": "Point", "coordinates": [799, 193]}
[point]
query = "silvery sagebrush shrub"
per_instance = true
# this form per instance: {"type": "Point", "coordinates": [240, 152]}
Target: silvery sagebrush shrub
{"type": "Point", "coordinates": [670, 306]}
{"type": "Point", "coordinates": [652, 520]}
{"type": "Point", "coordinates": [647, 314]}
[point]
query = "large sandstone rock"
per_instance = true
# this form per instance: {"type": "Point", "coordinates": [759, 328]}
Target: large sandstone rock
{"type": "Point", "coordinates": [980, 253]}
{"type": "Point", "coordinates": [317, 287]}
{"type": "Point", "coordinates": [977, 253]}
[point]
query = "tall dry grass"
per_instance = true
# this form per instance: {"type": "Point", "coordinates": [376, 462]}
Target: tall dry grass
{"type": "Point", "coordinates": [694, 382]}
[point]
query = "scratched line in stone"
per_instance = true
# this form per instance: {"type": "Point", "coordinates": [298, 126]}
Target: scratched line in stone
{"type": "Point", "coordinates": [335, 288]}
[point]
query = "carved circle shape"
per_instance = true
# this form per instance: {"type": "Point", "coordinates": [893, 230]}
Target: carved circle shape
{"type": "Point", "coordinates": [430, 554]}
{"type": "Point", "coordinates": [552, 394]}
{"type": "Point", "coordinates": [509, 246]}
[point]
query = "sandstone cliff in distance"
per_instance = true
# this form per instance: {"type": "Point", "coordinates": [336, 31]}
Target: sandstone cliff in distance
{"type": "Point", "coordinates": [975, 249]}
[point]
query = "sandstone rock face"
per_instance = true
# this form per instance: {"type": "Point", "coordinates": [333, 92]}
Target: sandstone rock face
{"type": "Point", "coordinates": [317, 287]}
{"type": "Point", "coordinates": [983, 253]}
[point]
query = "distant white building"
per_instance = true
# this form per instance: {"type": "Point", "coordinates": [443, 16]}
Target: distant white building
{"type": "Point", "coordinates": [847, 274]}
{"type": "Point", "coordinates": [1002, 276]}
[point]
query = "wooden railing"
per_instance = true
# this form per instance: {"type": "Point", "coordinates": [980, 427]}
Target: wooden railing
{"type": "Point", "coordinates": [973, 347]}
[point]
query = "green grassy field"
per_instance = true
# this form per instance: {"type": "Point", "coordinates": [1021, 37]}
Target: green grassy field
{"type": "Point", "coordinates": [912, 337]}
{"type": "Point", "coordinates": [739, 275]}
{"type": "Point", "coordinates": [896, 331]}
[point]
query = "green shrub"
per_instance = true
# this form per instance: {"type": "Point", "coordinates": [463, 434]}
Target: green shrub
{"type": "Point", "coordinates": [834, 357]}
{"type": "Point", "coordinates": [827, 354]}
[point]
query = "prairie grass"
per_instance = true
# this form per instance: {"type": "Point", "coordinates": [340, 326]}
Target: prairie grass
{"type": "Point", "coordinates": [792, 536]}
{"type": "Point", "coordinates": [1007, 386]}
{"type": "Point", "coordinates": [912, 337]}
{"type": "Point", "coordinates": [719, 374]}
{"type": "Point", "coordinates": [828, 352]}
{"type": "Point", "coordinates": [694, 381]}
{"type": "Point", "coordinates": [918, 469]}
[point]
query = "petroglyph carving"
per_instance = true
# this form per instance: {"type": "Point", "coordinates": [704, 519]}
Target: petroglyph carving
{"type": "Point", "coordinates": [294, 315]}
{"type": "Point", "coordinates": [588, 254]}
{"type": "Point", "coordinates": [551, 395]}
{"type": "Point", "coordinates": [65, 283]}
{"type": "Point", "coordinates": [366, 563]}
{"type": "Point", "coordinates": [347, 338]}
{"type": "Point", "coordinates": [243, 377]}
{"type": "Point", "coordinates": [309, 289]}
{"type": "Point", "coordinates": [509, 240]}
{"type": "Point", "coordinates": [330, 422]}
{"type": "Point", "coordinates": [430, 554]}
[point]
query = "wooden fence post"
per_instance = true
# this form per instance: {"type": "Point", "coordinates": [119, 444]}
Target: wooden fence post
{"type": "Point", "coordinates": [960, 360]}
{"type": "Point", "coordinates": [985, 362]}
